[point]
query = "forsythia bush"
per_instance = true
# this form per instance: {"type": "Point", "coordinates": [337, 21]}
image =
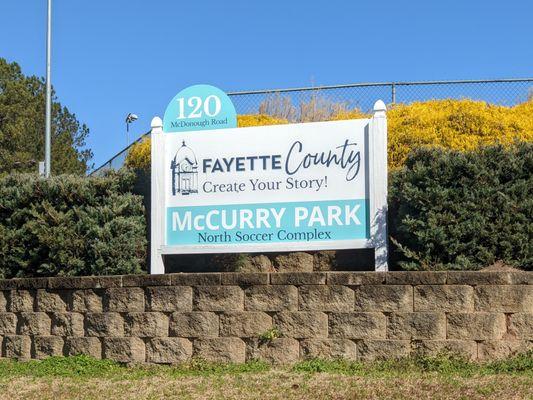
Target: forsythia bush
{"type": "Point", "coordinates": [71, 225]}
{"type": "Point", "coordinates": [351, 114]}
{"type": "Point", "coordinates": [463, 210]}
{"type": "Point", "coordinates": [455, 124]}
{"type": "Point", "coordinates": [258, 120]}
{"type": "Point", "coordinates": [139, 155]}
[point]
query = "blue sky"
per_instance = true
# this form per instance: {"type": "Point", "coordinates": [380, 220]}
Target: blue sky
{"type": "Point", "coordinates": [118, 56]}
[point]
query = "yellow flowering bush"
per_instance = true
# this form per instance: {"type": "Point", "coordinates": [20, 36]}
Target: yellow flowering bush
{"type": "Point", "coordinates": [258, 120]}
{"type": "Point", "coordinates": [139, 155]}
{"type": "Point", "coordinates": [349, 114]}
{"type": "Point", "coordinates": [455, 124]}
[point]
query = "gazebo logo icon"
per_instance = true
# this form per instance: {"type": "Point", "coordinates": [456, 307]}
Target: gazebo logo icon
{"type": "Point", "coordinates": [184, 168]}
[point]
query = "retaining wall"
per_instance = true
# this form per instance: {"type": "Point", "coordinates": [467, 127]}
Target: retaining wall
{"type": "Point", "coordinates": [224, 316]}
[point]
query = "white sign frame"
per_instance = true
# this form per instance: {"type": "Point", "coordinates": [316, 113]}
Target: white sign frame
{"type": "Point", "coordinates": [377, 165]}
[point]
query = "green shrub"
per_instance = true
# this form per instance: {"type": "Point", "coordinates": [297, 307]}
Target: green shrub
{"type": "Point", "coordinates": [455, 210]}
{"type": "Point", "coordinates": [70, 225]}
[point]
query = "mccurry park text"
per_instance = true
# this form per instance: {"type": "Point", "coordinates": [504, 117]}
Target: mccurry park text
{"type": "Point", "coordinates": [223, 224]}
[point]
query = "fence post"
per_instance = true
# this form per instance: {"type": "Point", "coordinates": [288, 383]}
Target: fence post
{"type": "Point", "coordinates": [393, 93]}
{"type": "Point", "coordinates": [378, 194]}
{"type": "Point", "coordinates": [157, 195]}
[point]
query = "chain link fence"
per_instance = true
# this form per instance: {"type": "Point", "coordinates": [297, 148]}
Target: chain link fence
{"type": "Point", "coordinates": [320, 103]}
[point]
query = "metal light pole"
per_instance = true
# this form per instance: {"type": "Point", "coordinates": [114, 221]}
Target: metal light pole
{"type": "Point", "coordinates": [48, 136]}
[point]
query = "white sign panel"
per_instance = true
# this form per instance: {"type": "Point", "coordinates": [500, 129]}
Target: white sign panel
{"type": "Point", "coordinates": [308, 186]}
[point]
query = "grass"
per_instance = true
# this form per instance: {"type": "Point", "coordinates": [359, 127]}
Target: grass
{"type": "Point", "coordinates": [444, 364]}
{"type": "Point", "coordinates": [83, 367]}
{"type": "Point", "coordinates": [442, 377]}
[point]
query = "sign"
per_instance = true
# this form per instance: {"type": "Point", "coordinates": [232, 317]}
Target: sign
{"type": "Point", "coordinates": [309, 186]}
{"type": "Point", "coordinates": [199, 107]}
{"type": "Point", "coordinates": [277, 184]}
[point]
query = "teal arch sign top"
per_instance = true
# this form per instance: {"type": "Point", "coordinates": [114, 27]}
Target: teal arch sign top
{"type": "Point", "coordinates": [198, 108]}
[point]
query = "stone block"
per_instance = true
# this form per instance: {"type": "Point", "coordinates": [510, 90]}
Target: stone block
{"type": "Point", "coordinates": [194, 324]}
{"type": "Point", "coordinates": [280, 351]}
{"type": "Point", "coordinates": [67, 324]}
{"type": "Point", "coordinates": [218, 298]}
{"type": "Point", "coordinates": [419, 325]}
{"type": "Point", "coordinates": [146, 280]}
{"type": "Point", "coordinates": [129, 299]}
{"type": "Point", "coordinates": [328, 349]}
{"type": "Point", "coordinates": [385, 298]}
{"type": "Point", "coordinates": [104, 324]}
{"type": "Point", "coordinates": [326, 298]}
{"type": "Point", "coordinates": [521, 277]}
{"type": "Point", "coordinates": [86, 300]}
{"type": "Point", "coordinates": [24, 283]}
{"type": "Point", "coordinates": [16, 346]}
{"type": "Point", "coordinates": [358, 325]}
{"type": "Point", "coordinates": [489, 350]}
{"type": "Point", "coordinates": [21, 300]}
{"type": "Point", "coordinates": [245, 279]}
{"type": "Point", "coordinates": [47, 346]}
{"type": "Point", "coordinates": [271, 298]}
{"type": "Point", "coordinates": [84, 282]}
{"type": "Point", "coordinates": [460, 348]}
{"type": "Point", "coordinates": [89, 346]}
{"type": "Point", "coordinates": [196, 279]}
{"type": "Point", "coordinates": [324, 260]}
{"type": "Point", "coordinates": [294, 262]}
{"type": "Point", "coordinates": [8, 323]}
{"type": "Point", "coordinates": [416, 278]}
{"type": "Point", "coordinates": [170, 350]}
{"type": "Point", "coordinates": [124, 349]}
{"type": "Point", "coordinates": [301, 324]}
{"type": "Point", "coordinates": [244, 324]}
{"type": "Point", "coordinates": [504, 298]}
{"type": "Point", "coordinates": [475, 278]}
{"type": "Point", "coordinates": [298, 278]}
{"type": "Point", "coordinates": [253, 264]}
{"type": "Point", "coordinates": [4, 296]}
{"type": "Point", "coordinates": [356, 278]}
{"type": "Point", "coordinates": [146, 324]}
{"type": "Point", "coordinates": [228, 349]}
{"type": "Point", "coordinates": [169, 298]}
{"type": "Point", "coordinates": [520, 326]}
{"type": "Point", "coordinates": [476, 326]}
{"type": "Point", "coordinates": [51, 301]}
{"type": "Point", "coordinates": [369, 350]}
{"type": "Point", "coordinates": [34, 323]}
{"type": "Point", "coordinates": [456, 298]}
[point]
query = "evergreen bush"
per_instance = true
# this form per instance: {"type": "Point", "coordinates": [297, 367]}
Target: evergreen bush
{"type": "Point", "coordinates": [71, 225]}
{"type": "Point", "coordinates": [463, 210]}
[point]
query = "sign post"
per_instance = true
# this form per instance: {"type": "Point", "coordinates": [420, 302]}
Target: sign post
{"type": "Point", "coordinates": [293, 187]}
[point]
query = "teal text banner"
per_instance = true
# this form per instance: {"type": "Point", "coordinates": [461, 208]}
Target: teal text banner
{"type": "Point", "coordinates": [311, 221]}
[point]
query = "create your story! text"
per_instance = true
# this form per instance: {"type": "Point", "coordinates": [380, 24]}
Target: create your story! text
{"type": "Point", "coordinates": [344, 156]}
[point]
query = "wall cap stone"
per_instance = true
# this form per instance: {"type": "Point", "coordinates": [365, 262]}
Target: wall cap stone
{"type": "Point", "coordinates": [348, 278]}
